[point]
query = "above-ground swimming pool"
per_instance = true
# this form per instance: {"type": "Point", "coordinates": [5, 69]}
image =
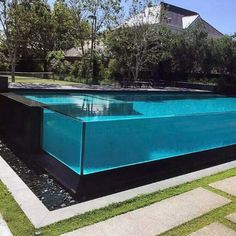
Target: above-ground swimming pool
{"type": "Point", "coordinates": [95, 132]}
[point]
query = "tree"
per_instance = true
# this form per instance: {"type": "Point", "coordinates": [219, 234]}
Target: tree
{"type": "Point", "coordinates": [13, 18]}
{"type": "Point", "coordinates": [226, 55]}
{"type": "Point", "coordinates": [82, 28]}
{"type": "Point", "coordinates": [193, 51]}
{"type": "Point", "coordinates": [103, 15]}
{"type": "Point", "coordinates": [58, 64]}
{"type": "Point", "coordinates": [137, 48]}
{"type": "Point", "coordinates": [138, 44]}
{"type": "Point", "coordinates": [42, 38]}
{"type": "Point", "coordinates": [65, 25]}
{"type": "Point", "coordinates": [59, 29]}
{"type": "Point", "coordinates": [4, 62]}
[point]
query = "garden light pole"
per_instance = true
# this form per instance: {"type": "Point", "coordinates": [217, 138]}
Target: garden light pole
{"type": "Point", "coordinates": [93, 44]}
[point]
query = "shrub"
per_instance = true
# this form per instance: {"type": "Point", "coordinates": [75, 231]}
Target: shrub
{"type": "Point", "coordinates": [58, 64]}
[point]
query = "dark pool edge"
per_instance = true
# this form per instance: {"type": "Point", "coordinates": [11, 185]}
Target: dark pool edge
{"type": "Point", "coordinates": [20, 122]}
{"type": "Point", "coordinates": [92, 186]}
{"type": "Point", "coordinates": [108, 182]}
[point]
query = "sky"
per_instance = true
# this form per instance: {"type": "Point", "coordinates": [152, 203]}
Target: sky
{"type": "Point", "coordinates": [219, 13]}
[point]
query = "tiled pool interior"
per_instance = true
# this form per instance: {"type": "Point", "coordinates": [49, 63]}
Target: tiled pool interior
{"type": "Point", "coordinates": [94, 132]}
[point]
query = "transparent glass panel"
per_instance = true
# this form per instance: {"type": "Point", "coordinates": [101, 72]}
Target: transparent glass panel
{"type": "Point", "coordinates": [62, 138]}
{"type": "Point", "coordinates": [118, 143]}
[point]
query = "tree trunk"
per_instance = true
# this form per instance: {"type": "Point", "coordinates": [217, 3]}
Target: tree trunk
{"type": "Point", "coordinates": [45, 65]}
{"type": "Point", "coordinates": [13, 66]}
{"type": "Point", "coordinates": [136, 73]}
{"type": "Point", "coordinates": [82, 47]}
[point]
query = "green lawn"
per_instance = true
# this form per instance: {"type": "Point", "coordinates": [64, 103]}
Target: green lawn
{"type": "Point", "coordinates": [20, 225]}
{"type": "Point", "coordinates": [37, 80]}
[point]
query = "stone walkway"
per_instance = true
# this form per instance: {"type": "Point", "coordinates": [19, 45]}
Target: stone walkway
{"type": "Point", "coordinates": [215, 229]}
{"type": "Point", "coordinates": [232, 217]}
{"type": "Point", "coordinates": [4, 230]}
{"type": "Point", "coordinates": [226, 185]}
{"type": "Point", "coordinates": [157, 218]}
{"type": "Point", "coordinates": [167, 214]}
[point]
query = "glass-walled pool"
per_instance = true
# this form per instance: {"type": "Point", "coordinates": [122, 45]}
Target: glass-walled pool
{"type": "Point", "coordinates": [95, 132]}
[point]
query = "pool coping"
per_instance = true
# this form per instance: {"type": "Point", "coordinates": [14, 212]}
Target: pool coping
{"type": "Point", "coordinates": [40, 216]}
{"type": "Point", "coordinates": [97, 88]}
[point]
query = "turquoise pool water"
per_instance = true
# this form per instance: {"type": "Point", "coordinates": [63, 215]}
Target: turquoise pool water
{"type": "Point", "coordinates": [100, 107]}
{"type": "Point", "coordinates": [96, 132]}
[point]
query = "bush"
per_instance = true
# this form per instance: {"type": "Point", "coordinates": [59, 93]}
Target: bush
{"type": "Point", "coordinates": [4, 64]}
{"type": "Point", "coordinates": [107, 73]}
{"type": "Point", "coordinates": [58, 64]}
{"type": "Point", "coordinates": [76, 69]}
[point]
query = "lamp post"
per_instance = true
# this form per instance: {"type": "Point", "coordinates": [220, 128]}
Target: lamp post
{"type": "Point", "coordinates": [93, 45]}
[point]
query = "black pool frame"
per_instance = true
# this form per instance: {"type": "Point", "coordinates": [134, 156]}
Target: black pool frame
{"type": "Point", "coordinates": [20, 125]}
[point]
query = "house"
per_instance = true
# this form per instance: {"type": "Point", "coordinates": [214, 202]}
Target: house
{"type": "Point", "coordinates": [176, 18]}
{"type": "Point", "coordinates": [76, 53]}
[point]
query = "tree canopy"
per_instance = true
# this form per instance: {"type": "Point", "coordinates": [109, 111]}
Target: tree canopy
{"type": "Point", "coordinates": [35, 30]}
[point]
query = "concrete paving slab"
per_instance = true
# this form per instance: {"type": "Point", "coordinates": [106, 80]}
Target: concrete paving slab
{"type": "Point", "coordinates": [215, 229]}
{"type": "Point", "coordinates": [232, 217]}
{"type": "Point", "coordinates": [4, 230]}
{"type": "Point", "coordinates": [157, 218]}
{"type": "Point", "coordinates": [226, 185]}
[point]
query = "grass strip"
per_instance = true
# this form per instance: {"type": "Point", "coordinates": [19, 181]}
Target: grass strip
{"type": "Point", "coordinates": [21, 226]}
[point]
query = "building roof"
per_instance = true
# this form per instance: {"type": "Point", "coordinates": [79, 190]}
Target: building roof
{"type": "Point", "coordinates": [76, 52]}
{"type": "Point", "coordinates": [175, 17]}
{"type": "Point", "coordinates": [188, 20]}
